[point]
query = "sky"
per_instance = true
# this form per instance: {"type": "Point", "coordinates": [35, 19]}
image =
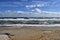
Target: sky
{"type": "Point", "coordinates": [37, 8]}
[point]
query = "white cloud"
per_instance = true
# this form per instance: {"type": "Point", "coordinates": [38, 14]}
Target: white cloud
{"type": "Point", "coordinates": [40, 5]}
{"type": "Point", "coordinates": [30, 6]}
{"type": "Point", "coordinates": [37, 4]}
{"type": "Point", "coordinates": [19, 11]}
{"type": "Point", "coordinates": [37, 10]}
{"type": "Point", "coordinates": [49, 12]}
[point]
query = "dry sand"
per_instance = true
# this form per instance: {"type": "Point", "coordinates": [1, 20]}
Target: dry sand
{"type": "Point", "coordinates": [34, 33]}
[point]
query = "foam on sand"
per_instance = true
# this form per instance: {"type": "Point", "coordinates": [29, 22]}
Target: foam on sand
{"type": "Point", "coordinates": [4, 37]}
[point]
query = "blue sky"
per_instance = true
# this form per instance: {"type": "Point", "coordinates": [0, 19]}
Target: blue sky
{"type": "Point", "coordinates": [48, 5]}
{"type": "Point", "coordinates": [29, 5]}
